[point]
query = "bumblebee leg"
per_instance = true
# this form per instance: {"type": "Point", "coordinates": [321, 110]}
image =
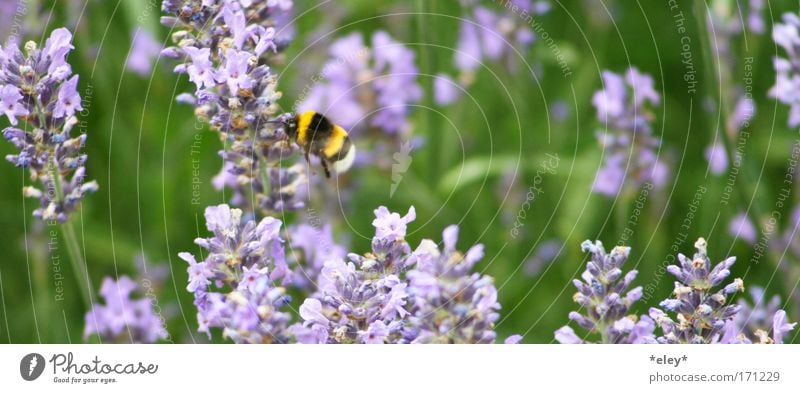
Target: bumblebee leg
{"type": "Point", "coordinates": [325, 167]}
{"type": "Point", "coordinates": [308, 161]}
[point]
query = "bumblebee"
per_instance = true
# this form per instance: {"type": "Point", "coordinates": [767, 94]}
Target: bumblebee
{"type": "Point", "coordinates": [317, 135]}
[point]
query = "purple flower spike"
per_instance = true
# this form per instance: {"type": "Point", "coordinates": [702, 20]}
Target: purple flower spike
{"type": "Point", "coordinates": [316, 245]}
{"type": "Point", "coordinates": [717, 158]}
{"type": "Point", "coordinates": [606, 298]}
{"type": "Point", "coordinates": [122, 319]}
{"type": "Point", "coordinates": [395, 295]}
{"type": "Point", "coordinates": [780, 326]}
{"type": "Point", "coordinates": [787, 82]}
{"type": "Point", "coordinates": [367, 86]}
{"type": "Point", "coordinates": [629, 147]}
{"type": "Point", "coordinates": [701, 315]}
{"type": "Point", "coordinates": [451, 305]}
{"type": "Point", "coordinates": [445, 90]}
{"type": "Point", "coordinates": [39, 88]}
{"type": "Point", "coordinates": [225, 47]}
{"type": "Point", "coordinates": [758, 321]}
{"type": "Point", "coordinates": [245, 259]}
{"type": "Point", "coordinates": [489, 36]}
{"type": "Point", "coordinates": [145, 49]}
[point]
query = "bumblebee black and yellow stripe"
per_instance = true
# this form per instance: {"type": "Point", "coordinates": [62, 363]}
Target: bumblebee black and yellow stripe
{"type": "Point", "coordinates": [319, 136]}
{"type": "Point", "coordinates": [303, 123]}
{"type": "Point", "coordinates": [336, 142]}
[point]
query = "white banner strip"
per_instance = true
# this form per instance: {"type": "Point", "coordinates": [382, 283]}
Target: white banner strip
{"type": "Point", "coordinates": [423, 368]}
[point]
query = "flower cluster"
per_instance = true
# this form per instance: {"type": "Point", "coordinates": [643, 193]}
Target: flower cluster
{"type": "Point", "coordinates": [377, 84]}
{"type": "Point", "coordinates": [729, 18]}
{"type": "Point", "coordinates": [245, 259]}
{"type": "Point", "coordinates": [787, 82]}
{"type": "Point", "coordinates": [606, 296]}
{"type": "Point", "coordinates": [363, 299]}
{"type": "Point", "coordinates": [312, 244]}
{"type": "Point", "coordinates": [122, 319]}
{"type": "Point", "coordinates": [19, 18]}
{"type": "Point", "coordinates": [784, 243]}
{"type": "Point", "coordinates": [39, 88]}
{"type": "Point", "coordinates": [450, 304]}
{"type": "Point", "coordinates": [226, 48]}
{"type": "Point", "coordinates": [701, 313]}
{"type": "Point", "coordinates": [486, 35]}
{"type": "Point", "coordinates": [740, 227]}
{"type": "Point", "coordinates": [630, 149]}
{"type": "Point", "coordinates": [394, 295]}
{"type": "Point", "coordinates": [762, 322]}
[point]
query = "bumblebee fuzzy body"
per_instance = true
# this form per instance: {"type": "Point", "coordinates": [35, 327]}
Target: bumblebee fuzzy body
{"type": "Point", "coordinates": [319, 136]}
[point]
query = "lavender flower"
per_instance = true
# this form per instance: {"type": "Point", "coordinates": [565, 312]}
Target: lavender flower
{"type": "Point", "coordinates": [450, 304]}
{"type": "Point", "coordinates": [38, 87]}
{"type": "Point", "coordinates": [445, 90]}
{"type": "Point", "coordinates": [755, 17]}
{"type": "Point", "coordinates": [22, 18]}
{"type": "Point", "coordinates": [605, 295]}
{"type": "Point", "coordinates": [717, 158]}
{"type": "Point", "coordinates": [544, 255]}
{"type": "Point", "coordinates": [743, 112]}
{"type": "Point", "coordinates": [629, 146]}
{"type": "Point", "coordinates": [316, 245]}
{"type": "Point", "coordinates": [486, 35]}
{"type": "Point", "coordinates": [741, 227]}
{"type": "Point", "coordinates": [226, 47]}
{"type": "Point", "coordinates": [394, 295]}
{"type": "Point", "coordinates": [700, 313]}
{"type": "Point", "coordinates": [787, 82]}
{"type": "Point", "coordinates": [122, 319]}
{"type": "Point", "coordinates": [375, 85]}
{"type": "Point", "coordinates": [362, 299]}
{"type": "Point", "coordinates": [245, 259]}
{"type": "Point", "coordinates": [8, 12]}
{"type": "Point", "coordinates": [559, 110]}
{"type": "Point", "coordinates": [145, 49]}
{"type": "Point", "coordinates": [725, 19]}
{"type": "Point", "coordinates": [784, 243]}
{"type": "Point", "coordinates": [760, 322]}
{"type": "Point", "coordinates": [738, 119]}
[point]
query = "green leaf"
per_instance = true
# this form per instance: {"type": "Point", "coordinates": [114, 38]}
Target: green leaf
{"type": "Point", "coordinates": [475, 169]}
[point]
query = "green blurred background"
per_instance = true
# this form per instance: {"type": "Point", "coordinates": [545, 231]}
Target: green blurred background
{"type": "Point", "coordinates": [140, 152]}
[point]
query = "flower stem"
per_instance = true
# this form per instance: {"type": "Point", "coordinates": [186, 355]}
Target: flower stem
{"type": "Point", "coordinates": [427, 62]}
{"type": "Point", "coordinates": [71, 240]}
{"type": "Point", "coordinates": [603, 330]}
{"type": "Point", "coordinates": [77, 261]}
{"type": "Point", "coordinates": [39, 256]}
